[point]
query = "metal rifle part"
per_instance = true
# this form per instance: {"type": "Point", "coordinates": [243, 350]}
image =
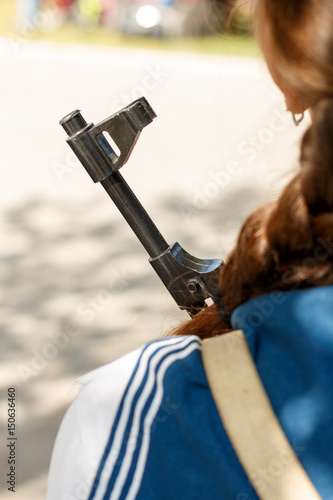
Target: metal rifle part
{"type": "Point", "coordinates": [189, 280]}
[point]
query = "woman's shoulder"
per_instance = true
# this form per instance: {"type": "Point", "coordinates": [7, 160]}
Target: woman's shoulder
{"type": "Point", "coordinates": [104, 390]}
{"type": "Point", "coordinates": [111, 395]}
{"type": "Point", "coordinates": [117, 373]}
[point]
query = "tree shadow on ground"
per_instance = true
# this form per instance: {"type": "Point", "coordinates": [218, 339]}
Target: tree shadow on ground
{"type": "Point", "coordinates": [78, 292]}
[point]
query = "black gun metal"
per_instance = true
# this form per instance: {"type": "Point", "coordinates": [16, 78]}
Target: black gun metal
{"type": "Point", "coordinates": [190, 281]}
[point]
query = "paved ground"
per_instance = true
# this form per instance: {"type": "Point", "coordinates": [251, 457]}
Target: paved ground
{"type": "Point", "coordinates": [77, 290]}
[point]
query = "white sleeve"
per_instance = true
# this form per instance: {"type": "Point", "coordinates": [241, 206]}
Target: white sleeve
{"type": "Point", "coordinates": [85, 429]}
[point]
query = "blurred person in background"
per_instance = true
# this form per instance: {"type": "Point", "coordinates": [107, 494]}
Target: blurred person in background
{"type": "Point", "coordinates": [148, 426]}
{"type": "Point", "coordinates": [109, 13]}
{"type": "Point", "coordinates": [66, 7]}
{"type": "Point", "coordinates": [27, 11]}
{"type": "Point", "coordinates": [88, 13]}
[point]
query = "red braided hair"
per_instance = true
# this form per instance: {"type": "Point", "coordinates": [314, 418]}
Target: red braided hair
{"type": "Point", "coordinates": [288, 244]}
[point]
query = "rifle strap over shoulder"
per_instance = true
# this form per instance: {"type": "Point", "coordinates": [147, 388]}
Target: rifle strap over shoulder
{"type": "Point", "coordinates": [250, 422]}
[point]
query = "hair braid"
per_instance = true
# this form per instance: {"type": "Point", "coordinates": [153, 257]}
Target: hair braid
{"type": "Point", "coordinates": [288, 244]}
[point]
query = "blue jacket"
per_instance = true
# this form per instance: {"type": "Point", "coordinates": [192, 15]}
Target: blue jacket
{"type": "Point", "coordinates": [146, 426]}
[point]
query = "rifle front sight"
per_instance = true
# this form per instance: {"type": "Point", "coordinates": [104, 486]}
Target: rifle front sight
{"type": "Point", "coordinates": [189, 280]}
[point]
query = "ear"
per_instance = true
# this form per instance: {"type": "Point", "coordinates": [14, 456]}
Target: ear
{"type": "Point", "coordinates": [292, 102]}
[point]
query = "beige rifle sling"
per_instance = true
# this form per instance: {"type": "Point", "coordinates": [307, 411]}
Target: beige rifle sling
{"type": "Point", "coordinates": [250, 422]}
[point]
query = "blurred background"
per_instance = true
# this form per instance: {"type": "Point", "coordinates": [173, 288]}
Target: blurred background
{"type": "Point", "coordinates": [77, 289]}
{"type": "Point", "coordinates": [177, 24]}
{"type": "Point", "coordinates": [159, 18]}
